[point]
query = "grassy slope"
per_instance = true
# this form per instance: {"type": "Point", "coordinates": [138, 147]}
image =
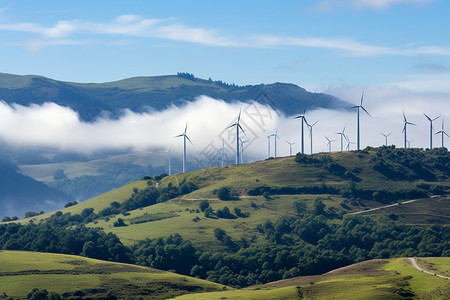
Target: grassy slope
{"type": "Point", "coordinates": [20, 272]}
{"type": "Point", "coordinates": [375, 279]}
{"type": "Point", "coordinates": [274, 172]}
{"type": "Point", "coordinates": [422, 212]}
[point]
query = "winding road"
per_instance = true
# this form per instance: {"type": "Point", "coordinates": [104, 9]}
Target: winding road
{"type": "Point", "coordinates": [413, 262]}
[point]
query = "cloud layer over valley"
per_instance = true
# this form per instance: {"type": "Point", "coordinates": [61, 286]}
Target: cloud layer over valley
{"type": "Point", "coordinates": [60, 128]}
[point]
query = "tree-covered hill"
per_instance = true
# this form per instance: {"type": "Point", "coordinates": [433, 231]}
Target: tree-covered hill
{"type": "Point", "coordinates": [157, 92]}
{"type": "Point", "coordinates": [275, 219]}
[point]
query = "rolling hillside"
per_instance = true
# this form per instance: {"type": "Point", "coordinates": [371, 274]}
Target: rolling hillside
{"type": "Point", "coordinates": [346, 182]}
{"type": "Point", "coordinates": [75, 277]}
{"type": "Point", "coordinates": [375, 279]}
{"type": "Point", "coordinates": [157, 92]}
{"type": "Point", "coordinates": [274, 219]}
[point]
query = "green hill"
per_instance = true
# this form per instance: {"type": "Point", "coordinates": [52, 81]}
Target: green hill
{"type": "Point", "coordinates": [74, 277]}
{"type": "Point", "coordinates": [375, 279]}
{"type": "Point", "coordinates": [157, 92]}
{"type": "Point", "coordinates": [278, 218]}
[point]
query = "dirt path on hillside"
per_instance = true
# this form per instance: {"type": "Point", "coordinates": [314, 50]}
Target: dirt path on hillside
{"type": "Point", "coordinates": [414, 263]}
{"type": "Point", "coordinates": [390, 205]}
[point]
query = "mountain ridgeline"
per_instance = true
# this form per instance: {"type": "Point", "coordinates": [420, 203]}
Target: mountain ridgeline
{"type": "Point", "coordinates": [138, 94]}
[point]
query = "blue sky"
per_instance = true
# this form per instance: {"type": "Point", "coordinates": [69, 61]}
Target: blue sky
{"type": "Point", "coordinates": [397, 51]}
{"type": "Point", "coordinates": [314, 44]}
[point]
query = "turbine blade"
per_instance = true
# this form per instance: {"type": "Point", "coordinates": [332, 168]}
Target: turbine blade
{"type": "Point", "coordinates": [404, 117]}
{"type": "Point", "coordinates": [231, 126]}
{"type": "Point", "coordinates": [436, 118]}
{"type": "Point", "coordinates": [185, 129]}
{"type": "Point", "coordinates": [362, 98]}
{"type": "Point", "coordinates": [189, 140]}
{"type": "Point", "coordinates": [179, 135]}
{"type": "Point", "coordinates": [239, 117]}
{"type": "Point", "coordinates": [239, 125]}
{"type": "Point", "coordinates": [365, 111]}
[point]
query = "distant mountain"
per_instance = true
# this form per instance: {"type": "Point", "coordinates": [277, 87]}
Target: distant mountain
{"type": "Point", "coordinates": [20, 193]}
{"type": "Point", "coordinates": [157, 92]}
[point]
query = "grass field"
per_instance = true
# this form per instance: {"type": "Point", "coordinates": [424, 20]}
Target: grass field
{"type": "Point", "coordinates": [375, 279]}
{"type": "Point", "coordinates": [422, 212]}
{"type": "Point", "coordinates": [20, 272]}
{"type": "Point", "coordinates": [275, 173]}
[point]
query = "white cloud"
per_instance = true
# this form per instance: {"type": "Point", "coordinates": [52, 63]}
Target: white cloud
{"type": "Point", "coordinates": [50, 125]}
{"type": "Point", "coordinates": [137, 26]}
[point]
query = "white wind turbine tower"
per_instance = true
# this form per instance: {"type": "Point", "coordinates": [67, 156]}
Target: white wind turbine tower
{"type": "Point", "coordinates": [442, 133]}
{"type": "Point", "coordinates": [357, 123]}
{"type": "Point", "coordinates": [342, 134]}
{"type": "Point", "coordinates": [170, 164]}
{"type": "Point", "coordinates": [275, 136]}
{"type": "Point", "coordinates": [222, 151]}
{"type": "Point", "coordinates": [405, 123]}
{"type": "Point", "coordinates": [242, 149]}
{"type": "Point", "coordinates": [409, 143]}
{"type": "Point", "coordinates": [268, 146]}
{"type": "Point", "coordinates": [238, 126]}
{"type": "Point", "coordinates": [386, 137]}
{"type": "Point", "coordinates": [431, 129]}
{"type": "Point", "coordinates": [303, 120]}
{"type": "Point", "coordinates": [329, 143]}
{"type": "Point", "coordinates": [185, 137]}
{"type": "Point", "coordinates": [290, 147]}
{"type": "Point", "coordinates": [349, 143]}
{"type": "Point", "coordinates": [310, 134]}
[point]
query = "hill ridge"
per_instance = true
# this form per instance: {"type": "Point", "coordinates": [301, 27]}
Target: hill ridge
{"type": "Point", "coordinates": [158, 92]}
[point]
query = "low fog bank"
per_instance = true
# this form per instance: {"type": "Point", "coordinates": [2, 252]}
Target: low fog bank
{"type": "Point", "coordinates": [50, 126]}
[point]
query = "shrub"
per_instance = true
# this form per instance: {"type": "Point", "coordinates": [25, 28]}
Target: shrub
{"type": "Point", "coordinates": [119, 223]}
{"type": "Point", "coordinates": [224, 193]}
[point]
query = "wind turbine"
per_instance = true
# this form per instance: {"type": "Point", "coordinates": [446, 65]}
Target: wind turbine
{"type": "Point", "coordinates": [185, 137]}
{"type": "Point", "coordinates": [442, 132]}
{"type": "Point", "coordinates": [170, 165]}
{"type": "Point", "coordinates": [329, 143]}
{"type": "Point", "coordinates": [357, 123]}
{"type": "Point", "coordinates": [303, 119]}
{"type": "Point", "coordinates": [409, 143]}
{"type": "Point", "coordinates": [290, 147]}
{"type": "Point", "coordinates": [242, 149]}
{"type": "Point", "coordinates": [275, 136]}
{"type": "Point", "coordinates": [386, 137]}
{"type": "Point", "coordinates": [431, 129]}
{"type": "Point", "coordinates": [405, 123]}
{"type": "Point", "coordinates": [222, 151]}
{"type": "Point", "coordinates": [268, 146]}
{"type": "Point", "coordinates": [349, 143]}
{"type": "Point", "coordinates": [238, 126]}
{"type": "Point", "coordinates": [342, 134]}
{"type": "Point", "coordinates": [310, 134]}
